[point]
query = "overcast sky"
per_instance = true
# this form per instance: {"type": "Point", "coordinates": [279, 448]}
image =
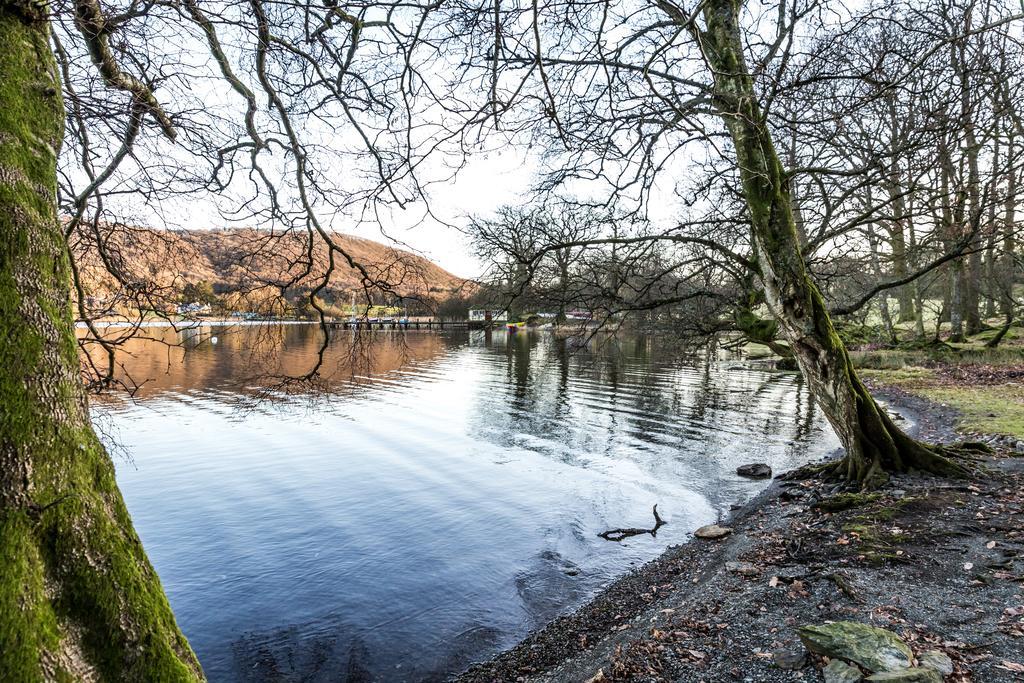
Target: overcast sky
{"type": "Point", "coordinates": [485, 184]}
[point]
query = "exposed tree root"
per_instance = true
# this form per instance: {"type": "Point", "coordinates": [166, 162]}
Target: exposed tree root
{"type": "Point", "coordinates": [952, 460]}
{"type": "Point", "coordinates": [618, 535]}
{"type": "Point", "coordinates": [805, 472]}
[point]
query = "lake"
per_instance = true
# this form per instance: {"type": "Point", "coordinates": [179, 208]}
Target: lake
{"type": "Point", "coordinates": [429, 498]}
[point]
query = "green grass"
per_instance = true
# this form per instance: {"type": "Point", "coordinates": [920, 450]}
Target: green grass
{"type": "Point", "coordinates": [987, 409]}
{"type": "Point", "coordinates": [995, 409]}
{"type": "Point", "coordinates": [971, 352]}
{"type": "Point", "coordinates": [920, 368]}
{"type": "Point", "coordinates": [909, 377]}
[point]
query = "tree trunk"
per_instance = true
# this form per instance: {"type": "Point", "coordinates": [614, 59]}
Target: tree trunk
{"type": "Point", "coordinates": [874, 445]}
{"type": "Point", "coordinates": [794, 192]}
{"type": "Point", "coordinates": [897, 237]}
{"type": "Point", "coordinates": [918, 295]}
{"type": "Point", "coordinates": [897, 241]}
{"type": "Point", "coordinates": [562, 258]}
{"type": "Point", "coordinates": [956, 301]}
{"type": "Point", "coordinates": [952, 220]}
{"type": "Point", "coordinates": [1007, 268]}
{"type": "Point", "coordinates": [998, 337]}
{"type": "Point", "coordinates": [883, 299]}
{"type": "Point", "coordinates": [79, 600]}
{"type": "Point", "coordinates": [971, 275]}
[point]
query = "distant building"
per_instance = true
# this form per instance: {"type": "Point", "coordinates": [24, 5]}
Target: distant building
{"type": "Point", "coordinates": [480, 315]}
{"type": "Point", "coordinates": [194, 308]}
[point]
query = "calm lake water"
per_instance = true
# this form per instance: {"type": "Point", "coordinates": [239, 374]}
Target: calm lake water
{"type": "Point", "coordinates": [432, 498]}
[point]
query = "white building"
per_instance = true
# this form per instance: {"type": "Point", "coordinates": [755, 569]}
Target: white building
{"type": "Point", "coordinates": [480, 315]}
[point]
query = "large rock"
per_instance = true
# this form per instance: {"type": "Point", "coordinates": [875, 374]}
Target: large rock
{"type": "Point", "coordinates": [914, 675]}
{"type": "Point", "coordinates": [712, 531]}
{"type": "Point", "coordinates": [757, 470]}
{"type": "Point", "coordinates": [873, 648]}
{"type": "Point", "coordinates": [936, 659]}
{"type": "Point", "coordinates": [839, 671]}
{"type": "Point", "coordinates": [790, 659]}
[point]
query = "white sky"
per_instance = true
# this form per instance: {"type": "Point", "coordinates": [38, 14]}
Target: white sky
{"type": "Point", "coordinates": [486, 183]}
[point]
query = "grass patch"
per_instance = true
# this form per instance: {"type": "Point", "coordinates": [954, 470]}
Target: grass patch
{"type": "Point", "coordinates": [969, 354]}
{"type": "Point", "coordinates": [997, 409]}
{"type": "Point", "coordinates": [987, 408]}
{"type": "Point", "coordinates": [904, 377]}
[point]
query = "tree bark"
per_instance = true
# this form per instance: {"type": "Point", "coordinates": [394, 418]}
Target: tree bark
{"type": "Point", "coordinates": [918, 295]}
{"type": "Point", "coordinates": [956, 301]}
{"type": "Point", "coordinates": [971, 275]}
{"type": "Point", "coordinates": [874, 445]}
{"type": "Point", "coordinates": [79, 600]}
{"type": "Point", "coordinates": [883, 300]}
{"type": "Point", "coordinates": [562, 260]}
{"type": "Point", "coordinates": [1007, 262]}
{"type": "Point", "coordinates": [897, 237]}
{"type": "Point", "coordinates": [952, 220]}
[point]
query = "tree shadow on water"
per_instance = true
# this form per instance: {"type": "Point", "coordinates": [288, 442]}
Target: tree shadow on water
{"type": "Point", "coordinates": [291, 654]}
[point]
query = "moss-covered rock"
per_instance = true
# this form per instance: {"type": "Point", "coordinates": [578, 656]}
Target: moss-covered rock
{"type": "Point", "coordinates": [873, 648]}
{"type": "Point", "coordinates": [910, 675]}
{"type": "Point", "coordinates": [936, 659]}
{"type": "Point", "coordinates": [838, 671]}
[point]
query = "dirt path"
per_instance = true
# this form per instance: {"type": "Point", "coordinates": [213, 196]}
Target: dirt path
{"type": "Point", "coordinates": [939, 562]}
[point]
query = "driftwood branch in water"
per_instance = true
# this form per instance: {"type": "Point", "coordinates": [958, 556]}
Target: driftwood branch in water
{"type": "Point", "coordinates": [622, 534]}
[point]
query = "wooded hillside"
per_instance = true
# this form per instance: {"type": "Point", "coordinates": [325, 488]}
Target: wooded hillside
{"type": "Point", "coordinates": [245, 268]}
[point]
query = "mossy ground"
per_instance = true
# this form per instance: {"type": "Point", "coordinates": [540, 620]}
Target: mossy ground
{"type": "Point", "coordinates": [995, 409]}
{"type": "Point", "coordinates": [989, 409]}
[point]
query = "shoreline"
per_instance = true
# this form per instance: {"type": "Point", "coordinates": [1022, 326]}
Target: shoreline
{"type": "Point", "coordinates": [728, 610]}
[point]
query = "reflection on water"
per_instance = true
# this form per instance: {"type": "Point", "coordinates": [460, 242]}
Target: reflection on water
{"type": "Point", "coordinates": [432, 499]}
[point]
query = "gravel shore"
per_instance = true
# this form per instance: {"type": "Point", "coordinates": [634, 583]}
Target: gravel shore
{"type": "Point", "coordinates": [939, 562]}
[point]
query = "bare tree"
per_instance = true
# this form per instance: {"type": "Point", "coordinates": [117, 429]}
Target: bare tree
{"type": "Point", "coordinates": [625, 90]}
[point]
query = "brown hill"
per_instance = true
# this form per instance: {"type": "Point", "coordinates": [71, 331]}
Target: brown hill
{"type": "Point", "coordinates": [246, 268]}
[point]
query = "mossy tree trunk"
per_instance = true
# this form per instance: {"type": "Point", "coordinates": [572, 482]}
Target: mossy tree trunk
{"type": "Point", "coordinates": [874, 444]}
{"type": "Point", "coordinates": [79, 600]}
